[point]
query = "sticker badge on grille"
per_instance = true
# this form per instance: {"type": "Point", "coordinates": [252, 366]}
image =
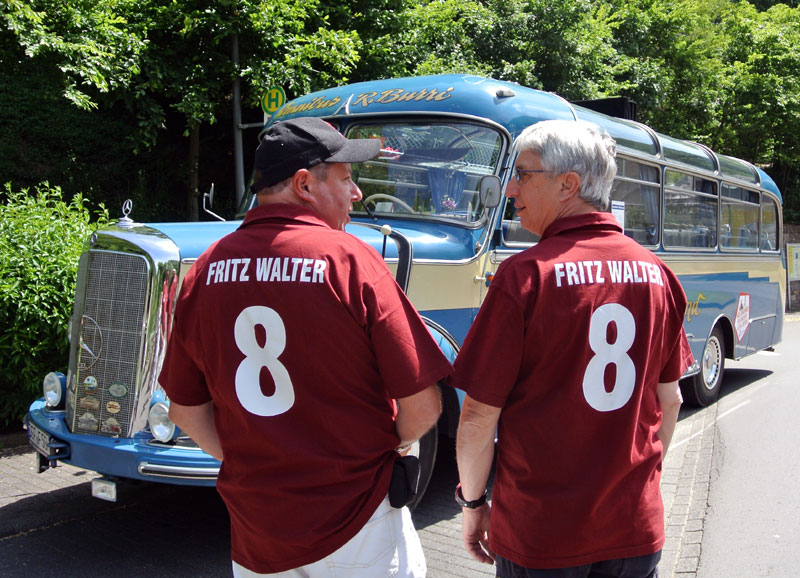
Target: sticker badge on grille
{"type": "Point", "coordinates": [113, 407]}
{"type": "Point", "coordinates": [90, 402]}
{"type": "Point", "coordinates": [111, 426]}
{"type": "Point", "coordinates": [90, 383]}
{"type": "Point", "coordinates": [88, 422]}
{"type": "Point", "coordinates": [118, 390]}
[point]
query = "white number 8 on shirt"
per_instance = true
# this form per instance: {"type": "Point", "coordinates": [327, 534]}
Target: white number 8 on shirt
{"type": "Point", "coordinates": [594, 389]}
{"type": "Point", "coordinates": [248, 387]}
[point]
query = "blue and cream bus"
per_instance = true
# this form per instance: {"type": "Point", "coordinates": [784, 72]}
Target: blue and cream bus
{"type": "Point", "coordinates": [433, 207]}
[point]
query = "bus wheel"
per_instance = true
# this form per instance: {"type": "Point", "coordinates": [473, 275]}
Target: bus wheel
{"type": "Point", "coordinates": [425, 450]}
{"type": "Point", "coordinates": [703, 388]}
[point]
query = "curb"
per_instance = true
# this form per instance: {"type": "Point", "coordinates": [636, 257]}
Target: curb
{"type": "Point", "coordinates": [685, 486]}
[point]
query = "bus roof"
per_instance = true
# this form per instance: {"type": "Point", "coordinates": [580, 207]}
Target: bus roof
{"type": "Point", "coordinates": [514, 107]}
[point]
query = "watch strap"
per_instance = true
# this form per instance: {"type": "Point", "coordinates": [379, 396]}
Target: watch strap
{"type": "Point", "coordinates": [469, 504]}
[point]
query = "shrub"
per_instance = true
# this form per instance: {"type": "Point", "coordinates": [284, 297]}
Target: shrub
{"type": "Point", "coordinates": [41, 239]}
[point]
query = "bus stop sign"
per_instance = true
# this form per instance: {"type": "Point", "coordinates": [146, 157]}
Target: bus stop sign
{"type": "Point", "coordinates": [273, 99]}
{"type": "Point", "coordinates": [793, 261]}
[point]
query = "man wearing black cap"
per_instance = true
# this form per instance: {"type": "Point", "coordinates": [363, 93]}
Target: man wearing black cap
{"type": "Point", "coordinates": [290, 345]}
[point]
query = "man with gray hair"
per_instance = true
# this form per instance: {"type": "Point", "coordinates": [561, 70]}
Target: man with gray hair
{"type": "Point", "coordinates": [573, 362]}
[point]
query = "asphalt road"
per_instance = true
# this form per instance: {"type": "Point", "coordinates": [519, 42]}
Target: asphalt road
{"type": "Point", "coordinates": [753, 518]}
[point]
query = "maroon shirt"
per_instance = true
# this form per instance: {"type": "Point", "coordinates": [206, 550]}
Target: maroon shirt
{"type": "Point", "coordinates": [572, 340]}
{"type": "Point", "coordinates": [301, 337]}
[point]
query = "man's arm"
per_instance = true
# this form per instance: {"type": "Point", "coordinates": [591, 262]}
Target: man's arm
{"type": "Point", "coordinates": [416, 414]}
{"type": "Point", "coordinates": [197, 421]}
{"type": "Point", "coordinates": [669, 396]}
{"type": "Point", "coordinates": [474, 455]}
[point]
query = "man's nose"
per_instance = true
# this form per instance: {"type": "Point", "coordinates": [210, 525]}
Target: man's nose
{"type": "Point", "coordinates": [512, 188]}
{"type": "Point", "coordinates": [356, 193]}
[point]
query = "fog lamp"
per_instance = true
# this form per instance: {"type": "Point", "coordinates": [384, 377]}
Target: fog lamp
{"type": "Point", "coordinates": [54, 387]}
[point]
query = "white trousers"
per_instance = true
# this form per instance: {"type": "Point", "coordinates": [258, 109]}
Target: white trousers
{"type": "Point", "coordinates": [388, 545]}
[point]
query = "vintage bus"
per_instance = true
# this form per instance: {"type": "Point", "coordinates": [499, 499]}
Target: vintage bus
{"type": "Point", "coordinates": [433, 207]}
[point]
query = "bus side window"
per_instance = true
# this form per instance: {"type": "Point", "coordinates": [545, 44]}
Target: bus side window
{"type": "Point", "coordinates": [769, 224]}
{"type": "Point", "coordinates": [725, 236]}
{"type": "Point", "coordinates": [748, 236]}
{"type": "Point", "coordinates": [739, 218]}
{"type": "Point", "coordinates": [513, 231]}
{"type": "Point", "coordinates": [637, 188]}
{"type": "Point", "coordinates": [690, 211]}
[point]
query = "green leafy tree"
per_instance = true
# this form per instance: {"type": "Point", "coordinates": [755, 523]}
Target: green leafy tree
{"type": "Point", "coordinates": [717, 71]}
{"type": "Point", "coordinates": [46, 137]}
{"type": "Point", "coordinates": [158, 58]}
{"type": "Point", "coordinates": [564, 47]}
{"type": "Point", "coordinates": [760, 116]}
{"type": "Point", "coordinates": [385, 30]}
{"type": "Point", "coordinates": [559, 46]}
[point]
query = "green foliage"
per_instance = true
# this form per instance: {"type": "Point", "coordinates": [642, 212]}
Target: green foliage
{"type": "Point", "coordinates": [293, 44]}
{"type": "Point", "coordinates": [45, 137]}
{"type": "Point", "coordinates": [721, 72]}
{"type": "Point", "coordinates": [41, 239]}
{"type": "Point", "coordinates": [385, 29]}
{"type": "Point", "coordinates": [97, 48]}
{"type": "Point", "coordinates": [161, 60]}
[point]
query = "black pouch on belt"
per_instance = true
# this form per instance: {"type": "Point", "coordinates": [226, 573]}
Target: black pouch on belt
{"type": "Point", "coordinates": [405, 481]}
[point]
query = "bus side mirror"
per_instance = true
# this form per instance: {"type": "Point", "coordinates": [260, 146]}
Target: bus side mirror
{"type": "Point", "coordinates": [491, 191]}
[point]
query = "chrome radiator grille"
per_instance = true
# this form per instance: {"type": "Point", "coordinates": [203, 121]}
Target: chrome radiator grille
{"type": "Point", "coordinates": [110, 345]}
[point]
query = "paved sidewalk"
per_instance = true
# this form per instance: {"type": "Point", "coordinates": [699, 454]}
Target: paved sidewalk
{"type": "Point", "coordinates": [684, 487]}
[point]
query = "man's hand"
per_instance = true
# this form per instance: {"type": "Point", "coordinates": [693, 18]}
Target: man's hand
{"type": "Point", "coordinates": [475, 531]}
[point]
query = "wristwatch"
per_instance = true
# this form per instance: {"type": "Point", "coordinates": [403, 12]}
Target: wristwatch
{"type": "Point", "coordinates": [471, 504]}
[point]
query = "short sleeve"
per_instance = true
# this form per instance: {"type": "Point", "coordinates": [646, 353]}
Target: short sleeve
{"type": "Point", "coordinates": [409, 360]}
{"type": "Point", "coordinates": [488, 364]}
{"type": "Point", "coordinates": [680, 356]}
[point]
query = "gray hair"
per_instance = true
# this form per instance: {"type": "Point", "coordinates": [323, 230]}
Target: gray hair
{"type": "Point", "coordinates": [575, 146]}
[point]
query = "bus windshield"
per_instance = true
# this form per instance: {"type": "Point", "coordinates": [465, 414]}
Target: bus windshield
{"type": "Point", "coordinates": [427, 169]}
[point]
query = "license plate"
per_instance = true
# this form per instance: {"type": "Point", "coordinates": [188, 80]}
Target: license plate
{"type": "Point", "coordinates": [39, 440]}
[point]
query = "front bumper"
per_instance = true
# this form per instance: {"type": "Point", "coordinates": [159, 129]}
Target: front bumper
{"type": "Point", "coordinates": [139, 458]}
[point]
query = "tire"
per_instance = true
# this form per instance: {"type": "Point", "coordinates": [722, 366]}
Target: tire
{"type": "Point", "coordinates": [425, 450]}
{"type": "Point", "coordinates": [702, 389]}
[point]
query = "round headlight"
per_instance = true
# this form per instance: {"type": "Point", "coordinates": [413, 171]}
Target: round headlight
{"type": "Point", "coordinates": [53, 388]}
{"type": "Point", "coordinates": [161, 426]}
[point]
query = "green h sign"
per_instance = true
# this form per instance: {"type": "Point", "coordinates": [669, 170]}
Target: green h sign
{"type": "Point", "coordinates": [273, 99]}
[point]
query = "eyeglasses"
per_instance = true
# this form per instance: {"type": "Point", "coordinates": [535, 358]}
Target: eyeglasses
{"type": "Point", "coordinates": [519, 172]}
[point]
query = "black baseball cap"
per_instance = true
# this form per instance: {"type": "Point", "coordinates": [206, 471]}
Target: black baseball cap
{"type": "Point", "coordinates": [300, 143]}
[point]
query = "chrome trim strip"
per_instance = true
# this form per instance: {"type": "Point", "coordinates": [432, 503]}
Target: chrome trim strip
{"type": "Point", "coordinates": [763, 318]}
{"type": "Point", "coordinates": [178, 472]}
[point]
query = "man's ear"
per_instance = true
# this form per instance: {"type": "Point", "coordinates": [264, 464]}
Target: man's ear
{"type": "Point", "coordinates": [303, 185]}
{"type": "Point", "coordinates": [570, 185]}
